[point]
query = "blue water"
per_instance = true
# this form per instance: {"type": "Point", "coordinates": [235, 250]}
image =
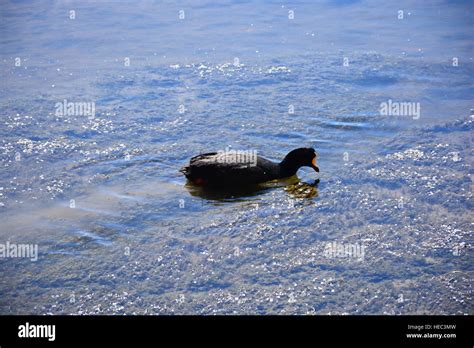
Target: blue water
{"type": "Point", "coordinates": [120, 231]}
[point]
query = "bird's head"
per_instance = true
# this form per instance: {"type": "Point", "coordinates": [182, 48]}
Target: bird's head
{"type": "Point", "coordinates": [302, 157]}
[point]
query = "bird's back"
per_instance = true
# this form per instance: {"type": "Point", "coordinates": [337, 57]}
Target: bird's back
{"type": "Point", "coordinates": [229, 168]}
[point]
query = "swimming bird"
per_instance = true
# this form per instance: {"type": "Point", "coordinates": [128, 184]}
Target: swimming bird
{"type": "Point", "coordinates": [236, 168]}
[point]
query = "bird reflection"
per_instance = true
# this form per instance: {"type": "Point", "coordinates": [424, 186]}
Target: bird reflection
{"type": "Point", "coordinates": [303, 189]}
{"type": "Point", "coordinates": [293, 186]}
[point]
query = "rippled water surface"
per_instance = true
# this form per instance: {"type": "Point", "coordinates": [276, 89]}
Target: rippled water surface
{"type": "Point", "coordinates": [119, 230]}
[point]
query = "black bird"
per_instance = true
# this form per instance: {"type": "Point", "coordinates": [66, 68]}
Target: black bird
{"type": "Point", "coordinates": [236, 168]}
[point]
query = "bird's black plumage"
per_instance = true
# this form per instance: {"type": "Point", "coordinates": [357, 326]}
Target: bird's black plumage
{"type": "Point", "coordinates": [232, 169]}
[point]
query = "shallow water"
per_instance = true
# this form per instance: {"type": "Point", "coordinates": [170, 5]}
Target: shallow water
{"type": "Point", "coordinates": [118, 229]}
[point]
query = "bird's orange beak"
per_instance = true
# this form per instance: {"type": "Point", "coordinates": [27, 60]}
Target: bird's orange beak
{"type": "Point", "coordinates": [313, 164]}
